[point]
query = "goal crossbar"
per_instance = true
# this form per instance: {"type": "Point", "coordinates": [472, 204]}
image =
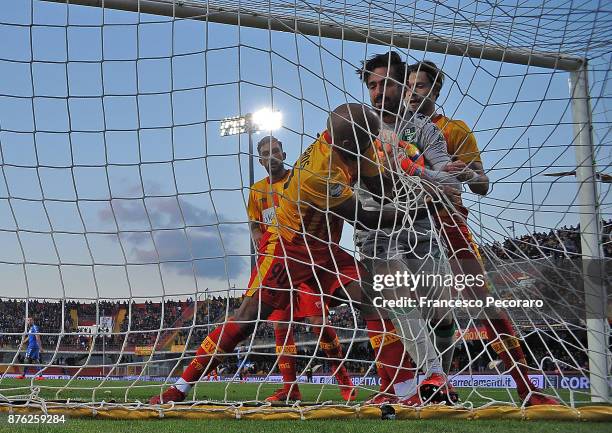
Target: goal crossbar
{"type": "Point", "coordinates": [330, 29]}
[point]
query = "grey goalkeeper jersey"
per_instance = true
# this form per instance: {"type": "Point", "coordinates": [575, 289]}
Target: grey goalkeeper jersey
{"type": "Point", "coordinates": [417, 129]}
{"type": "Point", "coordinates": [420, 130]}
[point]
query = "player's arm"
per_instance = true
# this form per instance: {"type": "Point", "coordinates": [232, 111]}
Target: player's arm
{"type": "Point", "coordinates": [373, 175]}
{"type": "Point", "coordinates": [472, 173]}
{"type": "Point", "coordinates": [352, 211]}
{"type": "Point", "coordinates": [331, 193]}
{"type": "Point", "coordinates": [467, 165]}
{"type": "Point", "coordinates": [436, 157]}
{"type": "Point", "coordinates": [256, 233]}
{"type": "Point", "coordinates": [255, 217]}
{"type": "Point", "coordinates": [380, 186]}
{"type": "Point", "coordinates": [479, 184]}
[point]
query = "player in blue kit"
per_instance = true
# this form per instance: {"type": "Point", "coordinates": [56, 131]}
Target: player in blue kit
{"type": "Point", "coordinates": [34, 348]}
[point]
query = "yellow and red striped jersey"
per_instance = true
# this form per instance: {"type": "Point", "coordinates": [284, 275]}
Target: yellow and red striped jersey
{"type": "Point", "coordinates": [460, 140]}
{"type": "Point", "coordinates": [461, 144]}
{"type": "Point", "coordinates": [320, 180]}
{"type": "Point", "coordinates": [263, 198]}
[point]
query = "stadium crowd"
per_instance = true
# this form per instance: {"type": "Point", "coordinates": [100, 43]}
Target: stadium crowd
{"type": "Point", "coordinates": [544, 345]}
{"type": "Point", "coordinates": [558, 244]}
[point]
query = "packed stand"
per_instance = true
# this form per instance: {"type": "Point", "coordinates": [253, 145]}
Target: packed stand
{"type": "Point", "coordinates": [558, 244]}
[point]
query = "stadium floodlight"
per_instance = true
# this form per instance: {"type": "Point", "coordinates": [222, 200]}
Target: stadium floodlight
{"type": "Point", "coordinates": [233, 125]}
{"type": "Point", "coordinates": [263, 120]}
{"type": "Point", "coordinates": [267, 120]}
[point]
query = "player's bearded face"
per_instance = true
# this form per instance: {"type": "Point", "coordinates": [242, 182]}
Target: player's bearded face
{"type": "Point", "coordinates": [385, 92]}
{"type": "Point", "coordinates": [420, 96]}
{"type": "Point", "coordinates": [271, 156]}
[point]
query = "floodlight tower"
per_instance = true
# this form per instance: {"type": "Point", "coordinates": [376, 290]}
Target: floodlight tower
{"type": "Point", "coordinates": [264, 120]}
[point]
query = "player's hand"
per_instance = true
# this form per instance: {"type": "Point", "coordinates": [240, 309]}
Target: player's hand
{"type": "Point", "coordinates": [460, 170]}
{"type": "Point", "coordinates": [437, 192]}
{"type": "Point", "coordinates": [385, 155]}
{"type": "Point", "coordinates": [452, 194]}
{"type": "Point", "coordinates": [384, 144]}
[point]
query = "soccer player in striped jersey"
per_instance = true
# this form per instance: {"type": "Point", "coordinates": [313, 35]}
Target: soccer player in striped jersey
{"type": "Point", "coordinates": [301, 245]}
{"type": "Point", "coordinates": [263, 200]}
{"type": "Point", "coordinates": [425, 81]}
{"type": "Point", "coordinates": [34, 347]}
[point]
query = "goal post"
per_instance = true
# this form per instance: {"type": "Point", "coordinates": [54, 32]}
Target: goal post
{"type": "Point", "coordinates": [590, 236]}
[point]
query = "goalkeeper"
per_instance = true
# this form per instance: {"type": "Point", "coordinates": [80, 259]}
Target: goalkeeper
{"type": "Point", "coordinates": [414, 249]}
{"type": "Point", "coordinates": [302, 243]}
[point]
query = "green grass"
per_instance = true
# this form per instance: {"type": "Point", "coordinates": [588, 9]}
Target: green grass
{"type": "Point", "coordinates": [325, 426]}
{"type": "Point", "coordinates": [120, 391]}
{"type": "Point", "coordinates": [82, 390]}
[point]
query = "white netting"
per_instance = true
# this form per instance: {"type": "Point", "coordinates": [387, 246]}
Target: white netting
{"type": "Point", "coordinates": [123, 218]}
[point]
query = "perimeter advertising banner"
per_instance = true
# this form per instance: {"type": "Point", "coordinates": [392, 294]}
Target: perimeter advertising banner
{"type": "Point", "coordinates": [459, 381]}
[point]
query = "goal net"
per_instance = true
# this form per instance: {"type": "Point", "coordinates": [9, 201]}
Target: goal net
{"type": "Point", "coordinates": [134, 137]}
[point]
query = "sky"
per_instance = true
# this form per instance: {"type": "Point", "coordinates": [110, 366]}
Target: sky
{"type": "Point", "coordinates": [115, 181]}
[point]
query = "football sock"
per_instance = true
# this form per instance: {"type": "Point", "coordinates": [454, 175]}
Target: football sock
{"type": "Point", "coordinates": [286, 351]}
{"type": "Point", "coordinates": [222, 339]}
{"type": "Point", "coordinates": [418, 344]}
{"type": "Point", "coordinates": [508, 348]}
{"type": "Point", "coordinates": [389, 351]}
{"type": "Point", "coordinates": [333, 350]}
{"type": "Point", "coordinates": [445, 343]}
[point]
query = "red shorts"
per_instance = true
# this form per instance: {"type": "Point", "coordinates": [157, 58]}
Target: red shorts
{"type": "Point", "coordinates": [458, 237]}
{"type": "Point", "coordinates": [287, 275]}
{"type": "Point", "coordinates": [280, 315]}
{"type": "Point", "coordinates": [309, 304]}
{"type": "Point", "coordinates": [464, 254]}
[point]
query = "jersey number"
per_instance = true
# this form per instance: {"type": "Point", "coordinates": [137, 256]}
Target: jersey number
{"type": "Point", "coordinates": [279, 274]}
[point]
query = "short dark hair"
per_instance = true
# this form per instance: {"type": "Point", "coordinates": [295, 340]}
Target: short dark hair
{"type": "Point", "coordinates": [268, 139]}
{"type": "Point", "coordinates": [434, 74]}
{"type": "Point", "coordinates": [391, 60]}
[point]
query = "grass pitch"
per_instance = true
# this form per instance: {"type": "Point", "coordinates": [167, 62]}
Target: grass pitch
{"type": "Point", "coordinates": [132, 391]}
{"type": "Point", "coordinates": [119, 391]}
{"type": "Point", "coordinates": [326, 426]}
